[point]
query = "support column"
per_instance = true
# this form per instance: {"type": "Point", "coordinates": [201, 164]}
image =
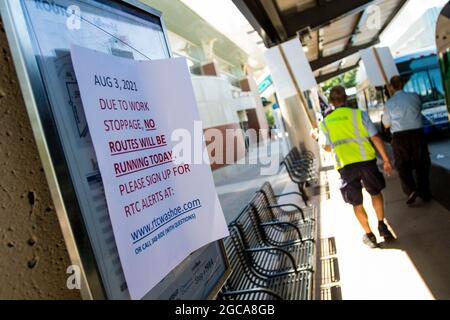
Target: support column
{"type": "Point", "coordinates": [33, 256]}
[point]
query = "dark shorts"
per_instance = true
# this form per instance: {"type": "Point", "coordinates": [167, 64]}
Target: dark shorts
{"type": "Point", "coordinates": [358, 175]}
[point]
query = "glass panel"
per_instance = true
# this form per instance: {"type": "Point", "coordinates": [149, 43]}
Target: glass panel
{"type": "Point", "coordinates": [419, 83]}
{"type": "Point", "coordinates": [436, 83]}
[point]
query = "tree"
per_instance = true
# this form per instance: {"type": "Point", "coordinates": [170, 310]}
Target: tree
{"type": "Point", "coordinates": [348, 80]}
{"type": "Point", "coordinates": [270, 118]}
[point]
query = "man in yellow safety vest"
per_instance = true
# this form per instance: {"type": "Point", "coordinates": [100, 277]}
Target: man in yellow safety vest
{"type": "Point", "coordinates": [351, 135]}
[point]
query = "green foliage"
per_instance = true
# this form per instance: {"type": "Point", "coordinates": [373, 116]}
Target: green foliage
{"type": "Point", "coordinates": [348, 80]}
{"type": "Point", "coordinates": [270, 118]}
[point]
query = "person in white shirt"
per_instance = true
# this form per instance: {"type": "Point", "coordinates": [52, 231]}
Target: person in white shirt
{"type": "Point", "coordinates": [402, 115]}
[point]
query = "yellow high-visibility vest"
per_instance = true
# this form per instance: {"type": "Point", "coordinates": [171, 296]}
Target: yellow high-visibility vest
{"type": "Point", "coordinates": [349, 139]}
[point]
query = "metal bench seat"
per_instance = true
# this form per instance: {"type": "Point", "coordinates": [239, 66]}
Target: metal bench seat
{"type": "Point", "coordinates": [254, 235]}
{"type": "Point", "coordinates": [302, 178]}
{"type": "Point", "coordinates": [284, 257]}
{"type": "Point", "coordinates": [269, 260]}
{"type": "Point", "coordinates": [295, 152]}
{"type": "Point", "coordinates": [301, 161]}
{"type": "Point", "coordinates": [285, 235]}
{"type": "Point", "coordinates": [301, 169]}
{"type": "Point", "coordinates": [240, 285]}
{"type": "Point", "coordinates": [279, 232]}
{"type": "Point", "coordinates": [303, 166]}
{"type": "Point", "coordinates": [298, 214]}
{"type": "Point", "coordinates": [246, 283]}
{"type": "Point", "coordinates": [295, 213]}
{"type": "Point", "coordinates": [305, 157]}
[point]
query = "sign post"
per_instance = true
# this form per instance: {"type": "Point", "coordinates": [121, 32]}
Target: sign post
{"type": "Point", "coordinates": [292, 73]}
{"type": "Point", "coordinates": [311, 122]}
{"type": "Point", "coordinates": [379, 65]}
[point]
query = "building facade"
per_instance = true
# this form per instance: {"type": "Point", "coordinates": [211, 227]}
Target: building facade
{"type": "Point", "coordinates": [224, 86]}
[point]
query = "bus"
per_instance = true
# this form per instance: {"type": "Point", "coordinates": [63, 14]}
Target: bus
{"type": "Point", "coordinates": [421, 74]}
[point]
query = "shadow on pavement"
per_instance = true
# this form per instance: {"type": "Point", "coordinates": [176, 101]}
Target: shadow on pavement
{"type": "Point", "coordinates": [423, 233]}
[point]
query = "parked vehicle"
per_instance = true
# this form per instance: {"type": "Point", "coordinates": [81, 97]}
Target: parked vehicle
{"type": "Point", "coordinates": [421, 74]}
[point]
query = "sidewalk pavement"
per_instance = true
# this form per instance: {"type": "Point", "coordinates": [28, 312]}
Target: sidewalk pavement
{"type": "Point", "coordinates": [415, 266]}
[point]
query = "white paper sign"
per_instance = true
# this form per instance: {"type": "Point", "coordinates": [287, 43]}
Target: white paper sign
{"type": "Point", "coordinates": [282, 81]}
{"type": "Point", "coordinates": [161, 210]}
{"type": "Point", "coordinates": [373, 69]}
{"type": "Point", "coordinates": [299, 65]}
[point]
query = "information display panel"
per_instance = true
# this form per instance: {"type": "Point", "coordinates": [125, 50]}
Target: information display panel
{"type": "Point", "coordinates": [40, 34]}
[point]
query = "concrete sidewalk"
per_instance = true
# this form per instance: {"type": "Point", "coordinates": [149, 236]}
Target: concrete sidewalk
{"type": "Point", "coordinates": [415, 266]}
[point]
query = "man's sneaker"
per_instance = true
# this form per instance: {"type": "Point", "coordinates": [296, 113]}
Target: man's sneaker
{"type": "Point", "coordinates": [370, 240]}
{"type": "Point", "coordinates": [412, 198]}
{"type": "Point", "coordinates": [385, 233]}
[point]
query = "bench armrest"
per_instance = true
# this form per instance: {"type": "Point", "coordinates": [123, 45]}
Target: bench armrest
{"type": "Point", "coordinates": [274, 206]}
{"type": "Point", "coordinates": [287, 194]}
{"type": "Point", "coordinates": [284, 251]}
{"type": "Point", "coordinates": [280, 223]}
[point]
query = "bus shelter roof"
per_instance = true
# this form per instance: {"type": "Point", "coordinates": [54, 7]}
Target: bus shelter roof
{"type": "Point", "coordinates": [332, 31]}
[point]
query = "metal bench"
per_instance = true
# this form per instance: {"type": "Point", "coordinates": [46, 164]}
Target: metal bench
{"type": "Point", "coordinates": [301, 170]}
{"type": "Point", "coordinates": [246, 283]}
{"type": "Point", "coordinates": [278, 232]}
{"type": "Point", "coordinates": [266, 256]}
{"type": "Point", "coordinates": [305, 155]}
{"type": "Point", "coordinates": [304, 213]}
{"type": "Point", "coordinates": [306, 160]}
{"type": "Point", "coordinates": [302, 166]}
